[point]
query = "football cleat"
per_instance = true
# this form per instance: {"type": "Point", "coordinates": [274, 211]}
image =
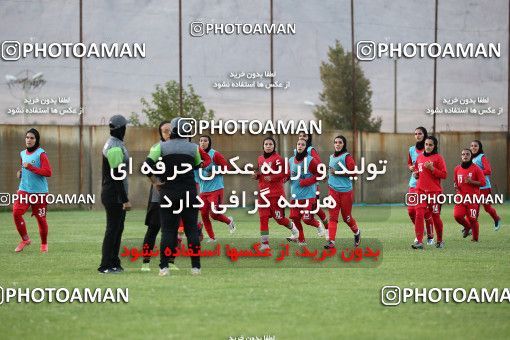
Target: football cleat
{"type": "Point", "coordinates": [430, 241]}
{"type": "Point", "coordinates": [417, 245]}
{"type": "Point", "coordinates": [44, 248]}
{"type": "Point", "coordinates": [320, 229]}
{"type": "Point", "coordinates": [357, 238]}
{"type": "Point", "coordinates": [497, 225]}
{"type": "Point", "coordinates": [231, 225]}
{"type": "Point", "coordinates": [164, 271]}
{"type": "Point", "coordinates": [329, 245]}
{"type": "Point", "coordinates": [195, 271]}
{"type": "Point", "coordinates": [440, 245]}
{"type": "Point", "coordinates": [22, 245]}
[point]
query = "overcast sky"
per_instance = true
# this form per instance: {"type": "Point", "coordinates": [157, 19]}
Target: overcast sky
{"type": "Point", "coordinates": [116, 85]}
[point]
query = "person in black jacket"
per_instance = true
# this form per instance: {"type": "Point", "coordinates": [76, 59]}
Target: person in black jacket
{"type": "Point", "coordinates": [114, 195]}
{"type": "Point", "coordinates": [177, 154]}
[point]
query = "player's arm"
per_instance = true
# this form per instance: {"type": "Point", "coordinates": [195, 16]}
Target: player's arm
{"type": "Point", "coordinates": [410, 164]}
{"type": "Point", "coordinates": [312, 167]}
{"type": "Point", "coordinates": [115, 157]}
{"type": "Point", "coordinates": [279, 177]}
{"type": "Point", "coordinates": [456, 179]}
{"type": "Point", "coordinates": [478, 180]}
{"type": "Point", "coordinates": [487, 170]}
{"type": "Point", "coordinates": [44, 170]}
{"type": "Point", "coordinates": [221, 162]}
{"type": "Point", "coordinates": [205, 158]}
{"type": "Point", "coordinates": [315, 155]}
{"type": "Point", "coordinates": [439, 170]}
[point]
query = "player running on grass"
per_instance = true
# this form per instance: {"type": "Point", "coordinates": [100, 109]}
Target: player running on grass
{"type": "Point", "coordinates": [35, 168]}
{"type": "Point", "coordinates": [481, 160]}
{"type": "Point", "coordinates": [420, 134]}
{"type": "Point", "coordinates": [211, 190]}
{"type": "Point", "coordinates": [302, 189]}
{"type": "Point", "coordinates": [273, 185]}
{"type": "Point", "coordinates": [430, 169]}
{"type": "Point", "coordinates": [340, 188]}
{"type": "Point", "coordinates": [468, 178]}
{"type": "Point", "coordinates": [312, 152]}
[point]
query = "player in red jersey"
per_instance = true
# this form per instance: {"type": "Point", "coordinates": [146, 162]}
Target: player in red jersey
{"type": "Point", "coordinates": [420, 134]}
{"type": "Point", "coordinates": [271, 186]}
{"type": "Point", "coordinates": [482, 162]}
{"type": "Point", "coordinates": [468, 178]}
{"type": "Point", "coordinates": [430, 169]}
{"type": "Point", "coordinates": [312, 152]}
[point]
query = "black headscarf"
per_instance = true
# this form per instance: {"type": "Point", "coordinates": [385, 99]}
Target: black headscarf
{"type": "Point", "coordinates": [421, 145]}
{"type": "Point", "coordinates": [302, 155]}
{"type": "Point", "coordinates": [118, 132]}
{"type": "Point", "coordinates": [480, 148]}
{"type": "Point", "coordinates": [210, 142]}
{"type": "Point", "coordinates": [435, 150]}
{"type": "Point", "coordinates": [37, 139]}
{"type": "Point", "coordinates": [344, 149]}
{"type": "Point", "coordinates": [467, 164]}
{"type": "Point", "coordinates": [267, 155]}
{"type": "Point", "coordinates": [159, 129]}
{"type": "Point", "coordinates": [309, 141]}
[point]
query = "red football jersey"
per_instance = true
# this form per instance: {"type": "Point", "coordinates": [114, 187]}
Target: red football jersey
{"type": "Point", "coordinates": [461, 174]}
{"type": "Point", "coordinates": [273, 182]}
{"type": "Point", "coordinates": [430, 181]}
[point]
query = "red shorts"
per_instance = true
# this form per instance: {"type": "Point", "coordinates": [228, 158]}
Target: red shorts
{"type": "Point", "coordinates": [273, 208]}
{"type": "Point", "coordinates": [305, 211]}
{"type": "Point", "coordinates": [39, 205]}
{"type": "Point", "coordinates": [468, 210]}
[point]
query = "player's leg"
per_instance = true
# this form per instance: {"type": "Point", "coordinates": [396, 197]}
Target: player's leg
{"type": "Point", "coordinates": [435, 210]}
{"type": "Point", "coordinates": [40, 210]}
{"type": "Point", "coordinates": [472, 213]}
{"type": "Point", "coordinates": [279, 216]}
{"type": "Point", "coordinates": [295, 216]}
{"type": "Point", "coordinates": [118, 239]}
{"type": "Point", "coordinates": [419, 226]}
{"type": "Point", "coordinates": [216, 200]}
{"type": "Point", "coordinates": [429, 227]}
{"type": "Point", "coordinates": [490, 209]}
{"type": "Point", "coordinates": [169, 224]}
{"type": "Point", "coordinates": [190, 220]}
{"type": "Point", "coordinates": [459, 214]}
{"type": "Point", "coordinates": [152, 222]}
{"type": "Point", "coordinates": [346, 202]}
{"type": "Point", "coordinates": [333, 219]}
{"type": "Point", "coordinates": [113, 216]}
{"type": "Point", "coordinates": [18, 209]}
{"type": "Point", "coordinates": [264, 214]}
{"type": "Point", "coordinates": [204, 213]}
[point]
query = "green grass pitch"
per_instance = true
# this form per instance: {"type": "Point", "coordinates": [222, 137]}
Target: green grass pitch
{"type": "Point", "coordinates": [288, 303]}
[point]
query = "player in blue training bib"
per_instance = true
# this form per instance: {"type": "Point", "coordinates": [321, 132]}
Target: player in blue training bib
{"type": "Point", "coordinates": [33, 187]}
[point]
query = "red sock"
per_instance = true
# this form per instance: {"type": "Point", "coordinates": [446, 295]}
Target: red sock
{"type": "Point", "coordinates": [21, 226]}
{"type": "Point", "coordinates": [438, 224]}
{"type": "Point", "coordinates": [332, 227]}
{"type": "Point", "coordinates": [312, 221]}
{"type": "Point", "coordinates": [208, 226]}
{"type": "Point", "coordinates": [321, 214]}
{"type": "Point", "coordinates": [221, 218]}
{"type": "Point", "coordinates": [429, 225]}
{"type": "Point", "coordinates": [43, 229]}
{"type": "Point", "coordinates": [491, 211]}
{"type": "Point", "coordinates": [299, 226]}
{"type": "Point", "coordinates": [475, 227]}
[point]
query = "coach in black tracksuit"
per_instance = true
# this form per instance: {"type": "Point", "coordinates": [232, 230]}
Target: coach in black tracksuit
{"type": "Point", "coordinates": [177, 153]}
{"type": "Point", "coordinates": [114, 195]}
